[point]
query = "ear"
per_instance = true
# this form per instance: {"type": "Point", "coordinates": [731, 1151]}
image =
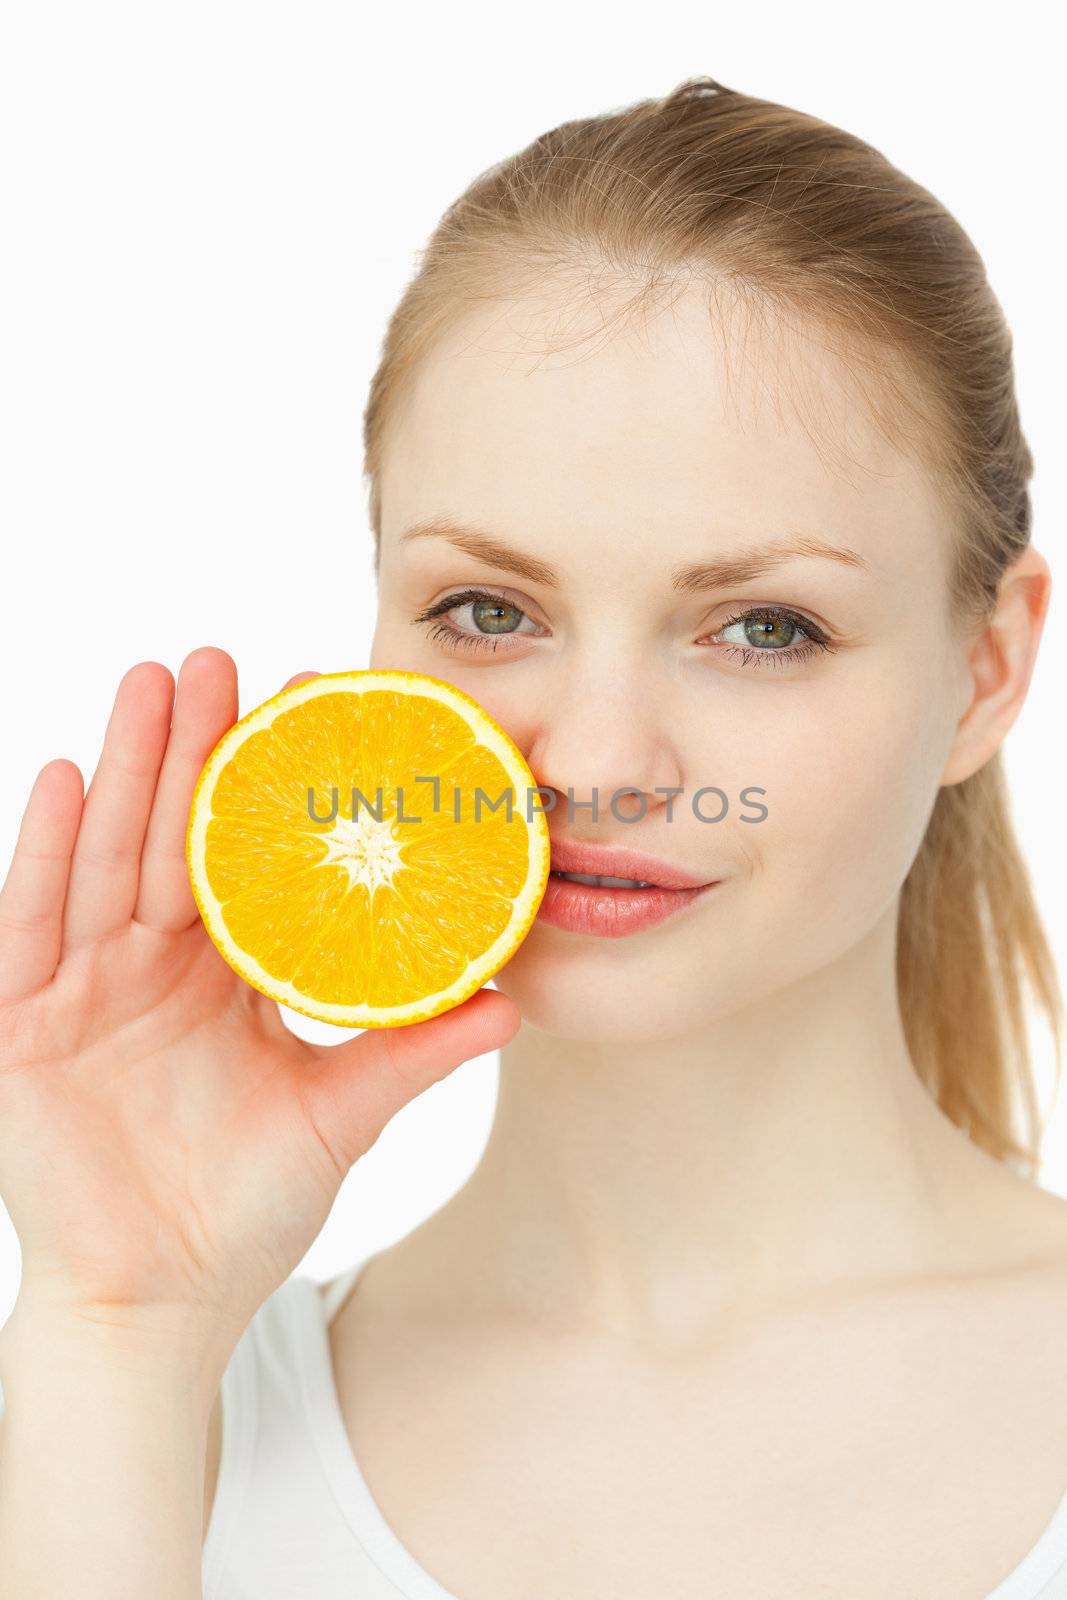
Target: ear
{"type": "Point", "coordinates": [1000, 665]}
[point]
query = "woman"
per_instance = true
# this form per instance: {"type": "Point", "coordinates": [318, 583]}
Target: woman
{"type": "Point", "coordinates": [694, 457]}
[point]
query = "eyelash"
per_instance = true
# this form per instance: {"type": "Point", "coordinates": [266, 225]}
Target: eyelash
{"type": "Point", "coordinates": [814, 638]}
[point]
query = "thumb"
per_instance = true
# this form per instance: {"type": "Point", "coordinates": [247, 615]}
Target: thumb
{"type": "Point", "coordinates": [350, 1091]}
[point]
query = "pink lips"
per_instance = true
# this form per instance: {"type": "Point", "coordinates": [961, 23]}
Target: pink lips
{"type": "Point", "coordinates": [611, 912]}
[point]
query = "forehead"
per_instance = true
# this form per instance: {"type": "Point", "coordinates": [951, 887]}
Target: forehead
{"type": "Point", "coordinates": [577, 412]}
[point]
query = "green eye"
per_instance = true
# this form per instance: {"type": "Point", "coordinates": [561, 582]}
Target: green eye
{"type": "Point", "coordinates": [769, 634]}
{"type": "Point", "coordinates": [489, 615]}
{"type": "Point", "coordinates": [494, 614]}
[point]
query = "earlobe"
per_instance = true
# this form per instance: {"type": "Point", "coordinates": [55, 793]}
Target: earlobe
{"type": "Point", "coordinates": [1001, 664]}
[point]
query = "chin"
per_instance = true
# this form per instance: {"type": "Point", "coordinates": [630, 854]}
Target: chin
{"type": "Point", "coordinates": [594, 997]}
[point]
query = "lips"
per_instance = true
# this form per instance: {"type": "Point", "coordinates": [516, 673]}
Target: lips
{"type": "Point", "coordinates": [606, 861]}
{"type": "Point", "coordinates": [609, 912]}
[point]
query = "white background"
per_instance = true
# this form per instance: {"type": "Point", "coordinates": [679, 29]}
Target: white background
{"type": "Point", "coordinates": [208, 215]}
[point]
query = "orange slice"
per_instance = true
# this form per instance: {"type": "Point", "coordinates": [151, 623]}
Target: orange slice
{"type": "Point", "coordinates": [381, 907]}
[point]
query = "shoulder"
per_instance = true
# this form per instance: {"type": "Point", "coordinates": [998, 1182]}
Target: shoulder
{"type": "Point", "coordinates": [1043, 1239]}
{"type": "Point", "coordinates": [1029, 1270]}
{"type": "Point", "coordinates": [1009, 1226]}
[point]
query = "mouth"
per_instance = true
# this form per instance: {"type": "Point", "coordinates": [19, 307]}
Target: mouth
{"type": "Point", "coordinates": [611, 907]}
{"type": "Point", "coordinates": [602, 883]}
{"type": "Point", "coordinates": [615, 867]}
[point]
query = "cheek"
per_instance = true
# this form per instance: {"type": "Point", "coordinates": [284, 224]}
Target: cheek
{"type": "Point", "coordinates": [851, 785]}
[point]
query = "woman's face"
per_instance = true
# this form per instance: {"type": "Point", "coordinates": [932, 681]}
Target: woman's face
{"type": "Point", "coordinates": [608, 469]}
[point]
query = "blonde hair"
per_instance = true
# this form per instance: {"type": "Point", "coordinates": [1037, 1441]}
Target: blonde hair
{"type": "Point", "coordinates": [799, 216]}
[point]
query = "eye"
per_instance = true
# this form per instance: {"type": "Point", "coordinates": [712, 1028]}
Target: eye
{"type": "Point", "coordinates": [493, 617]}
{"type": "Point", "coordinates": [769, 637]}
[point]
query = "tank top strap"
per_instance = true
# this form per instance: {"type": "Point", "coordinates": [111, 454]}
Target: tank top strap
{"type": "Point", "coordinates": [336, 1293]}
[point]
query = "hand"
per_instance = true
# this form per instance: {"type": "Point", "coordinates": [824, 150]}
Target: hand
{"type": "Point", "coordinates": [169, 1150]}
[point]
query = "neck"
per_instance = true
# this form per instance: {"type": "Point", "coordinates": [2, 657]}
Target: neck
{"type": "Point", "coordinates": [790, 1149]}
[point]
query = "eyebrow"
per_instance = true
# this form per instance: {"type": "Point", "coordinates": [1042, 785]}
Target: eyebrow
{"type": "Point", "coordinates": [740, 566]}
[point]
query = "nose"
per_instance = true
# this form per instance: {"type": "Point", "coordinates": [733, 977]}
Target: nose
{"type": "Point", "coordinates": [608, 739]}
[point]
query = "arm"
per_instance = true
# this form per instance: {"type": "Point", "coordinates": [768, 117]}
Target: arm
{"type": "Point", "coordinates": [102, 1466]}
{"type": "Point", "coordinates": [169, 1150]}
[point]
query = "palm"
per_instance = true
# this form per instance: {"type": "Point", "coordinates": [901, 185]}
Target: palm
{"type": "Point", "coordinates": [163, 1094]}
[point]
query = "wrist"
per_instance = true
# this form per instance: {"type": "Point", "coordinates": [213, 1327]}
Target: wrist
{"type": "Point", "coordinates": [158, 1350]}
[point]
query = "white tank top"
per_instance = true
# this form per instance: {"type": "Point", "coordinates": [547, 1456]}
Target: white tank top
{"type": "Point", "coordinates": [293, 1517]}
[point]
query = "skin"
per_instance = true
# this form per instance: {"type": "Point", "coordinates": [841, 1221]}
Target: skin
{"type": "Point", "coordinates": [710, 1144]}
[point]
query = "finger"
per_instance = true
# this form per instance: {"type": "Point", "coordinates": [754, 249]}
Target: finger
{"type": "Point", "coordinates": [35, 889]}
{"type": "Point", "coordinates": [106, 866]}
{"type": "Point", "coordinates": [206, 707]}
{"type": "Point", "coordinates": [350, 1091]}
